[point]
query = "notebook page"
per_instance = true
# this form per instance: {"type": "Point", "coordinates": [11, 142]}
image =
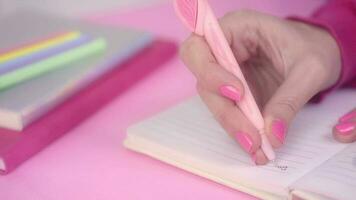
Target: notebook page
{"type": "Point", "coordinates": [336, 178]}
{"type": "Point", "coordinates": [192, 137]}
{"type": "Point", "coordinates": [307, 195]}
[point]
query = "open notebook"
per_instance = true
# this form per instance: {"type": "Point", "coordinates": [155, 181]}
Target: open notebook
{"type": "Point", "coordinates": [311, 165]}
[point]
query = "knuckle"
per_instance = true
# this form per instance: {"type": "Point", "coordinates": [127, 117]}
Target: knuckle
{"type": "Point", "coordinates": [227, 20]}
{"type": "Point", "coordinates": [187, 47]}
{"type": "Point", "coordinates": [229, 16]}
{"type": "Point", "coordinates": [317, 66]}
{"type": "Point", "coordinates": [207, 77]}
{"type": "Point", "coordinates": [316, 61]}
{"type": "Point", "coordinates": [224, 117]}
{"type": "Point", "coordinates": [290, 104]}
{"type": "Point", "coordinates": [318, 73]}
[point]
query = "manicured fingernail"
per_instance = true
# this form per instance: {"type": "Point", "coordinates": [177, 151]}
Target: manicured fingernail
{"type": "Point", "coordinates": [348, 117]}
{"type": "Point", "coordinates": [345, 128]}
{"type": "Point", "coordinates": [245, 141]}
{"type": "Point", "coordinates": [279, 130]}
{"type": "Point", "coordinates": [230, 92]}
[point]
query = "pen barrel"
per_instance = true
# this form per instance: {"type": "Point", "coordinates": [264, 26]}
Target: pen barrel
{"type": "Point", "coordinates": [267, 147]}
{"type": "Point", "coordinates": [225, 57]}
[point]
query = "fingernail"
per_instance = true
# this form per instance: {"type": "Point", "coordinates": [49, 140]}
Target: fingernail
{"type": "Point", "coordinates": [230, 92]}
{"type": "Point", "coordinates": [279, 130]}
{"type": "Point", "coordinates": [345, 128]}
{"type": "Point", "coordinates": [245, 141]}
{"type": "Point", "coordinates": [348, 117]}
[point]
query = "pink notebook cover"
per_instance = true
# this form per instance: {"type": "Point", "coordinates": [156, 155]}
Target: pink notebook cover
{"type": "Point", "coordinates": [17, 147]}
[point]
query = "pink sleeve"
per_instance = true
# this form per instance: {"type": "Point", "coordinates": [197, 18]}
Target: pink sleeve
{"type": "Point", "coordinates": [339, 18]}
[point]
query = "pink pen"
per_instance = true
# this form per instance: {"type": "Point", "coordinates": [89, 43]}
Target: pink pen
{"type": "Point", "coordinates": [199, 17]}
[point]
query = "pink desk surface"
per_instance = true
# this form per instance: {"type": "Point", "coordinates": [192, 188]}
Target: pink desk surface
{"type": "Point", "coordinates": [91, 163]}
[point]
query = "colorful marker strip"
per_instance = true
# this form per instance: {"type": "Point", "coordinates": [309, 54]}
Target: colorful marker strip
{"type": "Point", "coordinates": [23, 61]}
{"type": "Point", "coordinates": [16, 53]}
{"type": "Point", "coordinates": [52, 63]}
{"type": "Point", "coordinates": [32, 42]}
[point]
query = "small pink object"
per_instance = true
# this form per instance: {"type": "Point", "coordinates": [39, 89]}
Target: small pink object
{"type": "Point", "coordinates": [187, 11]}
{"type": "Point", "coordinates": [199, 17]}
{"type": "Point", "coordinates": [348, 117]}
{"type": "Point", "coordinates": [245, 141]}
{"type": "Point", "coordinates": [231, 93]}
{"type": "Point", "coordinates": [279, 130]}
{"type": "Point", "coordinates": [345, 128]}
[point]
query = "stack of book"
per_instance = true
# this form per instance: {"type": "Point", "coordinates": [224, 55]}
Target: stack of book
{"type": "Point", "coordinates": [55, 72]}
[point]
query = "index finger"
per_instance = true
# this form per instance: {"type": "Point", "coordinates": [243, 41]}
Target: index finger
{"type": "Point", "coordinates": [195, 54]}
{"type": "Point", "coordinates": [198, 58]}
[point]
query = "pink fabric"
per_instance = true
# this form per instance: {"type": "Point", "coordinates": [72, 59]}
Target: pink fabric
{"type": "Point", "coordinates": [339, 18]}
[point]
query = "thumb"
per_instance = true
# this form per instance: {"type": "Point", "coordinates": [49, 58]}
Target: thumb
{"type": "Point", "coordinates": [301, 84]}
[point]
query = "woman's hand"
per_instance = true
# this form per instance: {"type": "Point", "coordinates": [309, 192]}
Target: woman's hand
{"type": "Point", "coordinates": [285, 63]}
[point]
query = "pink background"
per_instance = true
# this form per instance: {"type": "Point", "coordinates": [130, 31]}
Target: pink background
{"type": "Point", "coordinates": [91, 163]}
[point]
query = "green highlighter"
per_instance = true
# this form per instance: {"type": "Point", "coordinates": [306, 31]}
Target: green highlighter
{"type": "Point", "coordinates": [63, 59]}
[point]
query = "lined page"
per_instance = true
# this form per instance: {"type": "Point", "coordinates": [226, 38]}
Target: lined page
{"type": "Point", "coordinates": [336, 178]}
{"type": "Point", "coordinates": [189, 135]}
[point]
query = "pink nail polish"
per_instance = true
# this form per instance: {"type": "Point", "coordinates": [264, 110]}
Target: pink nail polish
{"type": "Point", "coordinates": [230, 92]}
{"type": "Point", "coordinates": [279, 130]}
{"type": "Point", "coordinates": [345, 128]}
{"type": "Point", "coordinates": [348, 117]}
{"type": "Point", "coordinates": [245, 141]}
